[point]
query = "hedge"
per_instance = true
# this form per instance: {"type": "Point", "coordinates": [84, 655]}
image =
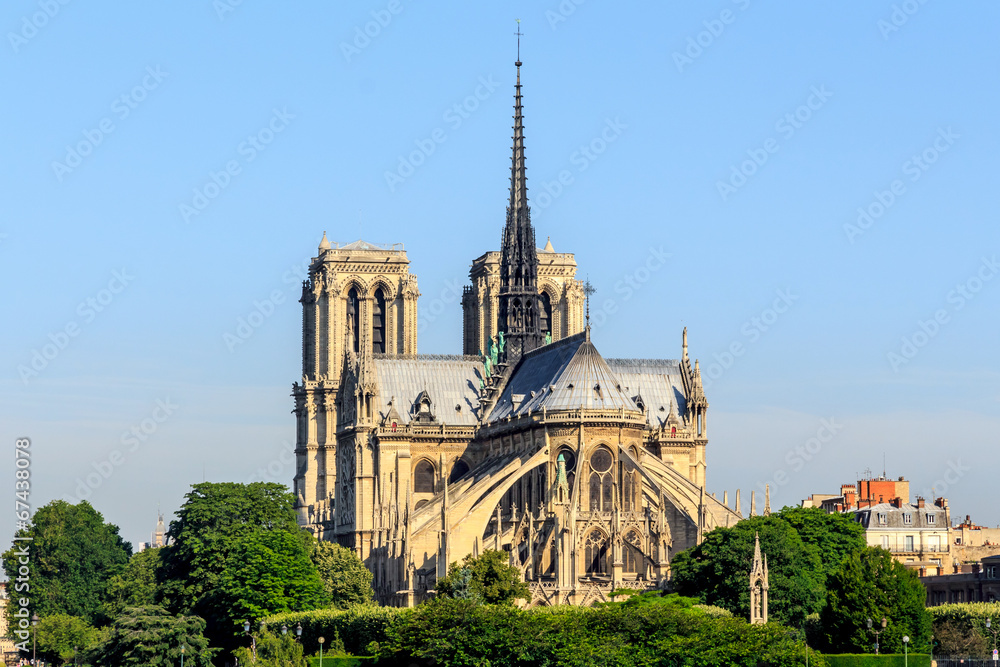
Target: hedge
{"type": "Point", "coordinates": [872, 660]}
{"type": "Point", "coordinates": [357, 627]}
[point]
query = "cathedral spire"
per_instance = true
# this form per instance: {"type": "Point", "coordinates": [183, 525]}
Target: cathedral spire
{"type": "Point", "coordinates": [518, 316]}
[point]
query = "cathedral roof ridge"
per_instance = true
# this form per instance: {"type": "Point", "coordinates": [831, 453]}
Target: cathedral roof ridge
{"type": "Point", "coordinates": [637, 361]}
{"type": "Point", "coordinates": [427, 357]}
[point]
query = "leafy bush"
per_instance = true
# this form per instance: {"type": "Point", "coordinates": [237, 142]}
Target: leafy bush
{"type": "Point", "coordinates": [357, 627]}
{"type": "Point", "coordinates": [646, 629]}
{"type": "Point", "coordinates": [872, 660]}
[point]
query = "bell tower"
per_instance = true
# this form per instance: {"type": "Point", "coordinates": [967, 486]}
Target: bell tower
{"type": "Point", "coordinates": [357, 294]}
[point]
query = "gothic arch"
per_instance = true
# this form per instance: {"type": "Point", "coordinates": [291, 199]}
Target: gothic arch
{"type": "Point", "coordinates": [424, 476]}
{"type": "Point", "coordinates": [356, 283]}
{"type": "Point", "coordinates": [596, 550]}
{"type": "Point", "coordinates": [381, 282]}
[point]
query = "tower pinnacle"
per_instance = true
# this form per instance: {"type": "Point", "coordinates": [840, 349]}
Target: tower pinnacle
{"type": "Point", "coordinates": [518, 311]}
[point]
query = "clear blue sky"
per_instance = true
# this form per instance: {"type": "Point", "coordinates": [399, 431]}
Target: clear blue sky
{"type": "Point", "coordinates": [824, 105]}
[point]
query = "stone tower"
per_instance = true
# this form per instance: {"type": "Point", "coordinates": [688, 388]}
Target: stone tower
{"type": "Point", "coordinates": [357, 294]}
{"type": "Point", "coordinates": [758, 585]}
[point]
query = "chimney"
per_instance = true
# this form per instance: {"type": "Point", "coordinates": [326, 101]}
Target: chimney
{"type": "Point", "coordinates": [920, 502]}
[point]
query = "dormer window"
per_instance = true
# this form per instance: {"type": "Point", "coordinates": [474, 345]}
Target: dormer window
{"type": "Point", "coordinates": [931, 519]}
{"type": "Point", "coordinates": [907, 519]}
{"type": "Point", "coordinates": [881, 518]}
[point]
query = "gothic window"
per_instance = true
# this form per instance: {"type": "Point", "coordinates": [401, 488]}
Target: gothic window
{"type": "Point", "coordinates": [632, 554]}
{"type": "Point", "coordinates": [627, 491]}
{"type": "Point", "coordinates": [423, 478]}
{"type": "Point", "coordinates": [596, 553]}
{"type": "Point", "coordinates": [459, 469]}
{"type": "Point", "coordinates": [378, 322]}
{"type": "Point", "coordinates": [601, 481]}
{"type": "Point", "coordinates": [353, 313]}
{"type": "Point", "coordinates": [544, 313]}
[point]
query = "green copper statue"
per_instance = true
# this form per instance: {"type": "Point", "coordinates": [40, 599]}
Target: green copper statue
{"type": "Point", "coordinates": [494, 352]}
{"type": "Point", "coordinates": [503, 343]}
{"type": "Point", "coordinates": [548, 337]}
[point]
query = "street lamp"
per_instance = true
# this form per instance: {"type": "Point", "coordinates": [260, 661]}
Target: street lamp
{"type": "Point", "coordinates": [183, 648]}
{"type": "Point", "coordinates": [321, 640]}
{"type": "Point", "coordinates": [989, 626]}
{"type": "Point", "coordinates": [34, 642]}
{"type": "Point", "coordinates": [877, 631]}
{"type": "Point", "coordinates": [284, 629]}
{"type": "Point", "coordinates": [906, 652]}
{"type": "Point", "coordinates": [298, 631]}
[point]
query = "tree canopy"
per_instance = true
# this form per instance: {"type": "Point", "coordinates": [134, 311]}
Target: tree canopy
{"type": "Point", "coordinates": [872, 584]}
{"type": "Point", "coordinates": [345, 578]}
{"type": "Point", "coordinates": [135, 586]}
{"type": "Point", "coordinates": [488, 578]}
{"type": "Point", "coordinates": [152, 637]}
{"type": "Point", "coordinates": [73, 554]}
{"type": "Point", "coordinates": [61, 638]}
{"type": "Point", "coordinates": [717, 571]}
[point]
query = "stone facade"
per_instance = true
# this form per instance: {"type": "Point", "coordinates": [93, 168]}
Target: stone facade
{"type": "Point", "coordinates": [976, 582]}
{"type": "Point", "coordinates": [916, 534]}
{"type": "Point", "coordinates": [589, 472]}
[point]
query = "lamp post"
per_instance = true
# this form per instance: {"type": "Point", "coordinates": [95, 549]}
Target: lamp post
{"type": "Point", "coordinates": [183, 648]}
{"type": "Point", "coordinates": [298, 632]}
{"type": "Point", "coordinates": [34, 642]}
{"type": "Point", "coordinates": [321, 640]}
{"type": "Point", "coordinates": [906, 652]}
{"type": "Point", "coordinates": [877, 631]}
{"type": "Point", "coordinates": [989, 626]}
{"type": "Point", "coordinates": [284, 629]}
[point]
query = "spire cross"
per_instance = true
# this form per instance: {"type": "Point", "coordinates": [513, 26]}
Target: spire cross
{"type": "Point", "coordinates": [518, 33]}
{"type": "Point", "coordinates": [588, 289]}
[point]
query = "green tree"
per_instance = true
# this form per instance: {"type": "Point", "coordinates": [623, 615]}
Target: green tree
{"type": "Point", "coordinates": [270, 573]}
{"type": "Point", "coordinates": [833, 537]}
{"type": "Point", "coordinates": [345, 578]}
{"type": "Point", "coordinates": [135, 586]}
{"type": "Point", "coordinates": [61, 637]}
{"type": "Point", "coordinates": [717, 571]}
{"type": "Point", "coordinates": [488, 578]}
{"type": "Point", "coordinates": [273, 651]}
{"type": "Point", "coordinates": [72, 555]}
{"type": "Point", "coordinates": [225, 535]}
{"type": "Point", "coordinates": [152, 637]}
{"type": "Point", "coordinates": [208, 530]}
{"type": "Point", "coordinates": [872, 584]}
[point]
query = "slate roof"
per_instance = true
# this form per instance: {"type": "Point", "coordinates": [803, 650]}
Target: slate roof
{"type": "Point", "coordinates": [868, 517]}
{"type": "Point", "coordinates": [450, 381]}
{"type": "Point", "coordinates": [565, 375]}
{"type": "Point", "coordinates": [656, 380]}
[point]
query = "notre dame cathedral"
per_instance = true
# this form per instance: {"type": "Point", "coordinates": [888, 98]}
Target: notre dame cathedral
{"type": "Point", "coordinates": [589, 472]}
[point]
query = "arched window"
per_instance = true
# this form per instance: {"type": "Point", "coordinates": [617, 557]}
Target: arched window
{"type": "Point", "coordinates": [632, 555]}
{"type": "Point", "coordinates": [601, 481]}
{"type": "Point", "coordinates": [596, 553]}
{"type": "Point", "coordinates": [378, 322]}
{"type": "Point", "coordinates": [423, 478]}
{"type": "Point", "coordinates": [457, 471]}
{"type": "Point", "coordinates": [544, 313]}
{"type": "Point", "coordinates": [353, 315]}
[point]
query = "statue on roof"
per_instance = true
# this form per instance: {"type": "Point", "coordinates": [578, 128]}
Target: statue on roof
{"type": "Point", "coordinates": [494, 352]}
{"type": "Point", "coordinates": [548, 337]}
{"type": "Point", "coordinates": [503, 343]}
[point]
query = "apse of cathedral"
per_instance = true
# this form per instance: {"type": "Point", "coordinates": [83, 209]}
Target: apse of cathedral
{"type": "Point", "coordinates": [589, 472]}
